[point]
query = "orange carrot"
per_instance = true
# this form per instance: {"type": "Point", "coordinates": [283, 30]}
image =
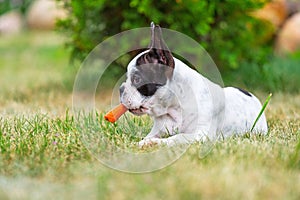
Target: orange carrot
{"type": "Point", "coordinates": [115, 113]}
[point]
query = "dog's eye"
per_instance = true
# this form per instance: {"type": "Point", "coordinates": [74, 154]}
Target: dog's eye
{"type": "Point", "coordinates": [148, 89]}
{"type": "Point", "coordinates": [136, 80]}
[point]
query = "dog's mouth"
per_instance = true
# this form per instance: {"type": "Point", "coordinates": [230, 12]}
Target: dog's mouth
{"type": "Point", "coordinates": [138, 111]}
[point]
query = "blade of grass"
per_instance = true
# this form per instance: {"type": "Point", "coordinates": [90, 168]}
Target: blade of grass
{"type": "Point", "coordinates": [261, 111]}
{"type": "Point", "coordinates": [295, 159]}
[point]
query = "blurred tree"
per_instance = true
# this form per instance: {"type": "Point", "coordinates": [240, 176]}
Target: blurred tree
{"type": "Point", "coordinates": [7, 5]}
{"type": "Point", "coordinates": [224, 27]}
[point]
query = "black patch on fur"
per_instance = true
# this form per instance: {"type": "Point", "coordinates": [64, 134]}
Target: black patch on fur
{"type": "Point", "coordinates": [245, 92]}
{"type": "Point", "coordinates": [154, 67]}
{"type": "Point", "coordinates": [147, 79]}
{"type": "Point", "coordinates": [159, 56]}
{"type": "Point", "coordinates": [148, 89]}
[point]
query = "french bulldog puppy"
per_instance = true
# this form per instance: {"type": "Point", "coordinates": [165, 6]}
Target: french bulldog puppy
{"type": "Point", "coordinates": [186, 107]}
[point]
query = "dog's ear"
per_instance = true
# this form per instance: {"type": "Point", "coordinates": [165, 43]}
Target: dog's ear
{"type": "Point", "coordinates": [158, 48]}
{"type": "Point", "coordinates": [158, 53]}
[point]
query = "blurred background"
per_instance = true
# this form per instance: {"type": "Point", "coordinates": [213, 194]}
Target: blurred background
{"type": "Point", "coordinates": [255, 43]}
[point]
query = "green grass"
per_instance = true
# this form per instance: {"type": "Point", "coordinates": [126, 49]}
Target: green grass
{"type": "Point", "coordinates": [35, 70]}
{"type": "Point", "coordinates": [44, 150]}
{"type": "Point", "coordinates": [261, 111]}
{"type": "Point", "coordinates": [280, 74]}
{"type": "Point", "coordinates": [43, 156]}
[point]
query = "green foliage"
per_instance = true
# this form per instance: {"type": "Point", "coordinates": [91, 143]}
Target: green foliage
{"type": "Point", "coordinates": [225, 28]}
{"type": "Point", "coordinates": [7, 5]}
{"type": "Point", "coordinates": [4, 6]}
{"type": "Point", "coordinates": [279, 74]}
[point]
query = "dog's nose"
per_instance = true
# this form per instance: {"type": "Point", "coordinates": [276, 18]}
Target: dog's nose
{"type": "Point", "coordinates": [122, 88]}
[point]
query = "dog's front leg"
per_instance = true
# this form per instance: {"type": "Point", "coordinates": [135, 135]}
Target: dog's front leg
{"type": "Point", "coordinates": [178, 139]}
{"type": "Point", "coordinates": [184, 139]}
{"type": "Point", "coordinates": [163, 125]}
{"type": "Point", "coordinates": [200, 135]}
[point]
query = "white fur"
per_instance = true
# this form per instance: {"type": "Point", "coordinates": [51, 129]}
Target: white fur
{"type": "Point", "coordinates": [191, 108]}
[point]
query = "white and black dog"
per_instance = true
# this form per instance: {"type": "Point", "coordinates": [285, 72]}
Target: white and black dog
{"type": "Point", "coordinates": [185, 106]}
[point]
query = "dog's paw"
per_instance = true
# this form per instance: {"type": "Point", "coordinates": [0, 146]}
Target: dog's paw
{"type": "Point", "coordinates": [150, 142]}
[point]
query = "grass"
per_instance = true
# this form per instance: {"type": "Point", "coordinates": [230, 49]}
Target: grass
{"type": "Point", "coordinates": [280, 74]}
{"type": "Point", "coordinates": [43, 150]}
{"type": "Point", "coordinates": [34, 68]}
{"type": "Point", "coordinates": [43, 156]}
{"type": "Point", "coordinates": [261, 111]}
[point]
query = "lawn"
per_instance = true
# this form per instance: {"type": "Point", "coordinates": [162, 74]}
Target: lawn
{"type": "Point", "coordinates": [43, 156]}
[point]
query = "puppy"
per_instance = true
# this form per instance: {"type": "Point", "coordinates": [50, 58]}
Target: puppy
{"type": "Point", "coordinates": [185, 106]}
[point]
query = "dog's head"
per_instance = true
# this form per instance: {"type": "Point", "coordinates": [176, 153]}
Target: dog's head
{"type": "Point", "coordinates": [148, 75]}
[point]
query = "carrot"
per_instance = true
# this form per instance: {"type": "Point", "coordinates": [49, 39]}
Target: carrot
{"type": "Point", "coordinates": [113, 115]}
